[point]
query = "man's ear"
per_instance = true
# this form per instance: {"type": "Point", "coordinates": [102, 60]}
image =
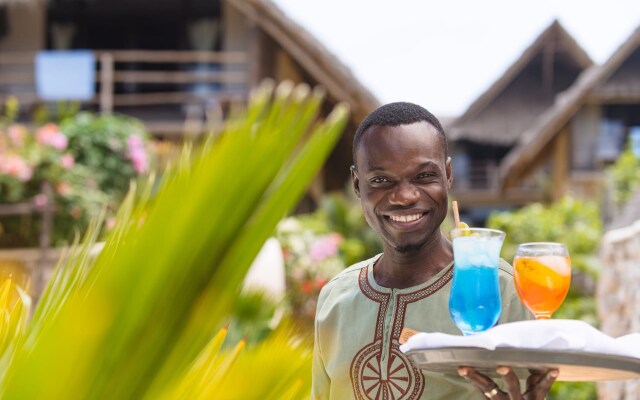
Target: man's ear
{"type": "Point", "coordinates": [449, 172]}
{"type": "Point", "coordinates": [355, 181]}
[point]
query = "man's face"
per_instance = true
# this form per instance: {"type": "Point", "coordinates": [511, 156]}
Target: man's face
{"type": "Point", "coordinates": [402, 180]}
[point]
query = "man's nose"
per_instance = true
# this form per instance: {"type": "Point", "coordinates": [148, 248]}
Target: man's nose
{"type": "Point", "coordinates": [404, 194]}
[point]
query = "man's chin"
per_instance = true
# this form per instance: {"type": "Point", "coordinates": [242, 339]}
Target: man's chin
{"type": "Point", "coordinates": [409, 248]}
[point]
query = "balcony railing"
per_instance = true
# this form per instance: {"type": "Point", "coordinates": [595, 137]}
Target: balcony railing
{"type": "Point", "coordinates": [479, 185]}
{"type": "Point", "coordinates": [142, 79]}
{"type": "Point", "coordinates": [479, 175]}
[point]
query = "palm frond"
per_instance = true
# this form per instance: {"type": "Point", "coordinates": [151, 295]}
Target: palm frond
{"type": "Point", "coordinates": [130, 324]}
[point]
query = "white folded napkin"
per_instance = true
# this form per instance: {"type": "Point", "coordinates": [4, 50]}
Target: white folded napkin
{"type": "Point", "coordinates": [554, 334]}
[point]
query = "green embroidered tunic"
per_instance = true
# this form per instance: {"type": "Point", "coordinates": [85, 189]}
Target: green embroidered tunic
{"type": "Point", "coordinates": [358, 324]}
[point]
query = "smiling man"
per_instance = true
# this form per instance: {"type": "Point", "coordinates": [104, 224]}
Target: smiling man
{"type": "Point", "coordinates": [402, 175]}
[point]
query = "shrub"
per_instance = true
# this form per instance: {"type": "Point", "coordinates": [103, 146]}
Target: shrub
{"type": "Point", "coordinates": [88, 162]}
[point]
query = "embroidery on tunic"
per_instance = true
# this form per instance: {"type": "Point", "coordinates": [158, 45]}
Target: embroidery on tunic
{"type": "Point", "coordinates": [401, 380]}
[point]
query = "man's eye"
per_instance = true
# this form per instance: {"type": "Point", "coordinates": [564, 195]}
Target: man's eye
{"type": "Point", "coordinates": [425, 175]}
{"type": "Point", "coordinates": [378, 180]}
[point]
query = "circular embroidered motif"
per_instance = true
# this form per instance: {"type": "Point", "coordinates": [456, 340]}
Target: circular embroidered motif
{"type": "Point", "coordinates": [402, 381]}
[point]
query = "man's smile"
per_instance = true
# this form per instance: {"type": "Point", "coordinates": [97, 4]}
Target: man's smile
{"type": "Point", "coordinates": [406, 219]}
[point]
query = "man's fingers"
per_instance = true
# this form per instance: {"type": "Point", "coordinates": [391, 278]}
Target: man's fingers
{"type": "Point", "coordinates": [480, 381]}
{"type": "Point", "coordinates": [487, 386]}
{"type": "Point", "coordinates": [541, 389]}
{"type": "Point", "coordinates": [533, 379]}
{"type": "Point", "coordinates": [511, 382]}
{"type": "Point", "coordinates": [538, 383]}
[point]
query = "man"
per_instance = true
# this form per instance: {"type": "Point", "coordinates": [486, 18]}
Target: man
{"type": "Point", "coordinates": [402, 175]}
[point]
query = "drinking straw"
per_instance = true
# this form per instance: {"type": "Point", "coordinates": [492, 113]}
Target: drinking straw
{"type": "Point", "coordinates": [456, 215]}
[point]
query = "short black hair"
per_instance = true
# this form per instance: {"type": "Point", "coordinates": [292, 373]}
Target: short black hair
{"type": "Point", "coordinates": [395, 114]}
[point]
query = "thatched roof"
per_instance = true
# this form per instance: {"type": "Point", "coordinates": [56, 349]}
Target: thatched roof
{"type": "Point", "coordinates": [312, 55]}
{"type": "Point", "coordinates": [534, 140]}
{"type": "Point", "coordinates": [514, 101]}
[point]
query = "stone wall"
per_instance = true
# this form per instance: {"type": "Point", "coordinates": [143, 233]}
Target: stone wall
{"type": "Point", "coordinates": [618, 298]}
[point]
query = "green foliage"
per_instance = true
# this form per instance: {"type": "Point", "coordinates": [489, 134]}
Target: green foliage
{"type": "Point", "coordinates": [140, 321]}
{"type": "Point", "coordinates": [578, 306]}
{"type": "Point", "coordinates": [319, 245]}
{"type": "Point", "coordinates": [573, 391]}
{"type": "Point", "coordinates": [88, 162]}
{"type": "Point", "coordinates": [11, 111]}
{"type": "Point", "coordinates": [576, 223]}
{"type": "Point", "coordinates": [312, 256]}
{"type": "Point", "coordinates": [107, 144]}
{"type": "Point", "coordinates": [342, 213]}
{"type": "Point", "coordinates": [33, 163]}
{"type": "Point", "coordinates": [54, 112]}
{"type": "Point", "coordinates": [252, 317]}
{"type": "Point", "coordinates": [625, 176]}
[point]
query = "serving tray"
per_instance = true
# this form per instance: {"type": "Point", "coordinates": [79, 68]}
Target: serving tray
{"type": "Point", "coordinates": [573, 366]}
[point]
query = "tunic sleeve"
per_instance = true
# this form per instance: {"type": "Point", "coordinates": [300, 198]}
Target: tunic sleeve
{"type": "Point", "coordinates": [320, 381]}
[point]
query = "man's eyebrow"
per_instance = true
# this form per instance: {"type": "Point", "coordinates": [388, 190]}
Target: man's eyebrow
{"type": "Point", "coordinates": [427, 164]}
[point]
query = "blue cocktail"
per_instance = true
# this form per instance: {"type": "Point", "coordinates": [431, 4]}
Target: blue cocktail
{"type": "Point", "coordinates": [474, 303]}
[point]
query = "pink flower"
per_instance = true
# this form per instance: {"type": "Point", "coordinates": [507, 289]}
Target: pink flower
{"type": "Point", "coordinates": [137, 154]}
{"type": "Point", "coordinates": [325, 247]}
{"type": "Point", "coordinates": [17, 133]}
{"type": "Point", "coordinates": [135, 141]}
{"type": "Point", "coordinates": [140, 161]}
{"type": "Point", "coordinates": [335, 238]}
{"type": "Point", "coordinates": [40, 200]}
{"type": "Point", "coordinates": [67, 161]}
{"type": "Point", "coordinates": [111, 223]}
{"type": "Point", "coordinates": [49, 134]}
{"type": "Point", "coordinates": [17, 166]}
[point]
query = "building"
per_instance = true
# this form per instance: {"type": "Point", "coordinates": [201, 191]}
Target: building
{"type": "Point", "coordinates": [547, 127]}
{"type": "Point", "coordinates": [170, 62]}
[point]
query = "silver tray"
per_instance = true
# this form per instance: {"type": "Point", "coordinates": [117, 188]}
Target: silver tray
{"type": "Point", "coordinates": [573, 366]}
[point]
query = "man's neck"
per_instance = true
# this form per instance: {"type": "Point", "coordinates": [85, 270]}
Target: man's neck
{"type": "Point", "coordinates": [400, 270]}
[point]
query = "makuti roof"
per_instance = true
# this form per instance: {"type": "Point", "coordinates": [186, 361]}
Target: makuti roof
{"type": "Point", "coordinates": [528, 87]}
{"type": "Point", "coordinates": [312, 55]}
{"type": "Point", "coordinates": [547, 126]}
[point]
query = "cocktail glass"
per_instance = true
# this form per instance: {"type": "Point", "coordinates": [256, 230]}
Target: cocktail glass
{"type": "Point", "coordinates": [474, 302]}
{"type": "Point", "coordinates": [542, 274]}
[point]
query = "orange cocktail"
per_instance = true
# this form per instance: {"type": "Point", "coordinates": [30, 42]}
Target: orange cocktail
{"type": "Point", "coordinates": [542, 274]}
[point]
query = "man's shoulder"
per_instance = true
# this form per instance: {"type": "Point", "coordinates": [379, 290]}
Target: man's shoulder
{"type": "Point", "coordinates": [348, 277]}
{"type": "Point", "coordinates": [354, 269]}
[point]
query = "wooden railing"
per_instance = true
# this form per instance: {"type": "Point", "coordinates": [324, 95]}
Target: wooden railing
{"type": "Point", "coordinates": [480, 186]}
{"type": "Point", "coordinates": [140, 78]}
{"type": "Point", "coordinates": [480, 175]}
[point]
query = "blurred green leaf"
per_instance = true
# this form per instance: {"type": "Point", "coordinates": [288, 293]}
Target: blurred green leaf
{"type": "Point", "coordinates": [624, 176]}
{"type": "Point", "coordinates": [130, 324]}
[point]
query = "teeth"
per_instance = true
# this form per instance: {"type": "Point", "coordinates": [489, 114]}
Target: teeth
{"type": "Point", "coordinates": [405, 218]}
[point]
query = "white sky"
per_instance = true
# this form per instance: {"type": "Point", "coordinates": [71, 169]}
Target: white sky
{"type": "Point", "coordinates": [442, 54]}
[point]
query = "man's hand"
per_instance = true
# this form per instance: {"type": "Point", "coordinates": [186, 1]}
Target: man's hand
{"type": "Point", "coordinates": [538, 384]}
